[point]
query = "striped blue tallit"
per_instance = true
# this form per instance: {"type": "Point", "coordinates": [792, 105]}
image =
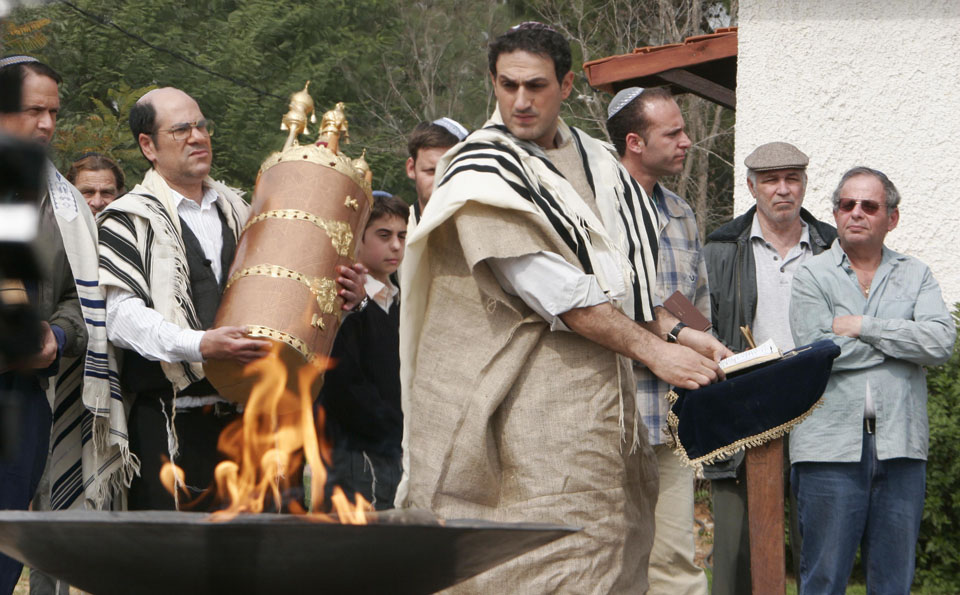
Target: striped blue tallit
{"type": "Point", "coordinates": [90, 460]}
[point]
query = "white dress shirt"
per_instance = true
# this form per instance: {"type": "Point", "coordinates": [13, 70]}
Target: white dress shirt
{"type": "Point", "coordinates": [132, 325]}
{"type": "Point", "coordinates": [380, 294]}
{"type": "Point", "coordinates": [548, 284]}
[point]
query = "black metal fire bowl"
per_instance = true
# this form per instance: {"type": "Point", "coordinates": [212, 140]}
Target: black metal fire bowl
{"type": "Point", "coordinates": [180, 552]}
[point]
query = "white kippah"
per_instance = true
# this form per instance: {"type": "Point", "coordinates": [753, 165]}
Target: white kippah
{"type": "Point", "coordinates": [621, 99]}
{"type": "Point", "coordinates": [453, 127]}
{"type": "Point", "coordinates": [11, 60]}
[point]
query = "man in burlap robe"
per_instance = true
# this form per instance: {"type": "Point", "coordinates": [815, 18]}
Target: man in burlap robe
{"type": "Point", "coordinates": [509, 417]}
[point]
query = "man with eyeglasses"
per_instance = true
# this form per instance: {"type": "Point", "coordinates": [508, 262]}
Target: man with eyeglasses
{"type": "Point", "coordinates": [750, 263]}
{"type": "Point", "coordinates": [859, 460]}
{"type": "Point", "coordinates": [165, 249]}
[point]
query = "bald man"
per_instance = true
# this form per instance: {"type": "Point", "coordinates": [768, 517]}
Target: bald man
{"type": "Point", "coordinates": [165, 250]}
{"type": "Point", "coordinates": [162, 296]}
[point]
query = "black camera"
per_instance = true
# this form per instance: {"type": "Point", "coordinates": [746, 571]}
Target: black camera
{"type": "Point", "coordinates": [21, 186]}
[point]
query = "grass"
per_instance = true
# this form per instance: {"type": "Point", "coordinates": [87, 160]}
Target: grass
{"type": "Point", "coordinates": [792, 586]}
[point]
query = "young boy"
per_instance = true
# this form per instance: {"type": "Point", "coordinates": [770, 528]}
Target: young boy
{"type": "Point", "coordinates": [361, 394]}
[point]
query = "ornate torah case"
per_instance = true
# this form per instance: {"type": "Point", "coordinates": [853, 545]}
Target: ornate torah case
{"type": "Point", "coordinates": [310, 205]}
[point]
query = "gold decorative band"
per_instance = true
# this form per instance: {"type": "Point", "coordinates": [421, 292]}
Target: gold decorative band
{"type": "Point", "coordinates": [322, 156]}
{"type": "Point", "coordinates": [323, 288]}
{"type": "Point", "coordinates": [255, 330]}
{"type": "Point", "coordinates": [339, 231]}
{"type": "Point", "coordinates": [268, 270]}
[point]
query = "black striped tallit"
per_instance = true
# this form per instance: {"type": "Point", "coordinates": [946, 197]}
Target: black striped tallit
{"type": "Point", "coordinates": [485, 152]}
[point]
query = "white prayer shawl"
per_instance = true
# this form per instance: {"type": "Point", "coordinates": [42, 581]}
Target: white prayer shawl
{"type": "Point", "coordinates": [623, 239]}
{"type": "Point", "coordinates": [90, 457]}
{"type": "Point", "coordinates": [145, 223]}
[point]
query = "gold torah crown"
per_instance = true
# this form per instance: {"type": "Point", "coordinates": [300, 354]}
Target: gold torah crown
{"type": "Point", "coordinates": [295, 120]}
{"type": "Point", "coordinates": [326, 150]}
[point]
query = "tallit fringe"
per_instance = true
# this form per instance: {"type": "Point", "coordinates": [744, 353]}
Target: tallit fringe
{"type": "Point", "coordinates": [101, 433]}
{"type": "Point", "coordinates": [130, 464]}
{"type": "Point", "coordinates": [173, 446]}
{"type": "Point", "coordinates": [635, 443]}
{"type": "Point", "coordinates": [110, 488]}
{"type": "Point", "coordinates": [673, 423]}
{"type": "Point", "coordinates": [623, 429]}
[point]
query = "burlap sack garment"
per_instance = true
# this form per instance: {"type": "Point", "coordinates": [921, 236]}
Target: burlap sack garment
{"type": "Point", "coordinates": [508, 421]}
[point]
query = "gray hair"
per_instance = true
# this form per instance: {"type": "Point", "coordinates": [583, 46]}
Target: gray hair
{"type": "Point", "coordinates": [890, 193]}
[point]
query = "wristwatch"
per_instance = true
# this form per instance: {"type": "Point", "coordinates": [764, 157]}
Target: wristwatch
{"type": "Point", "coordinates": [362, 305]}
{"type": "Point", "coordinates": [673, 335]}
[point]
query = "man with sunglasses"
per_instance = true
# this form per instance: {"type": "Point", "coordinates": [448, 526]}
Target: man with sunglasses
{"type": "Point", "coordinates": [750, 263]}
{"type": "Point", "coordinates": [859, 460]}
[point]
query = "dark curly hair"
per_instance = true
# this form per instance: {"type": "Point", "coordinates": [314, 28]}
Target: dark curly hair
{"type": "Point", "coordinates": [535, 38]}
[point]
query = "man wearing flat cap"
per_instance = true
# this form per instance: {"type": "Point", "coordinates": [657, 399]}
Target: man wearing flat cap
{"type": "Point", "coordinates": [751, 262]}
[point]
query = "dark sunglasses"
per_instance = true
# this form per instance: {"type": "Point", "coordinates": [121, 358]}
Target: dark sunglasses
{"type": "Point", "coordinates": [869, 207]}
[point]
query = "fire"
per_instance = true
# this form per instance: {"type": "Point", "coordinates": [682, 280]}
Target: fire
{"type": "Point", "coordinates": [268, 447]}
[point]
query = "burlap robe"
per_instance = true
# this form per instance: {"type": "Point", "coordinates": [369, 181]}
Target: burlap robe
{"type": "Point", "coordinates": [509, 421]}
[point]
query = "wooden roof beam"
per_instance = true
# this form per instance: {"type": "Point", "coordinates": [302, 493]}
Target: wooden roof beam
{"type": "Point", "coordinates": [709, 90]}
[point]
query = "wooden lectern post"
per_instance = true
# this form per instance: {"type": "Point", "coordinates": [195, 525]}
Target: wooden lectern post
{"type": "Point", "coordinates": [765, 513]}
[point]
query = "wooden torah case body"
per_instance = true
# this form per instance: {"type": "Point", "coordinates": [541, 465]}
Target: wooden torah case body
{"type": "Point", "coordinates": [309, 208]}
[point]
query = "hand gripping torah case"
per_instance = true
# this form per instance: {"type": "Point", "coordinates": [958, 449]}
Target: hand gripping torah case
{"type": "Point", "coordinates": [310, 206]}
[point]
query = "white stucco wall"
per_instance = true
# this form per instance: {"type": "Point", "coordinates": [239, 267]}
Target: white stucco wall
{"type": "Point", "coordinates": [861, 82]}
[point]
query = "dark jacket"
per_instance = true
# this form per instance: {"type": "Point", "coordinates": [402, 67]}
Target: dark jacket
{"type": "Point", "coordinates": [361, 393]}
{"type": "Point", "coordinates": [733, 290]}
{"type": "Point", "coordinates": [56, 300]}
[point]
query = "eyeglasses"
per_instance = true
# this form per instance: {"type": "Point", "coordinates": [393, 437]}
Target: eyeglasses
{"type": "Point", "coordinates": [869, 207]}
{"type": "Point", "coordinates": [182, 131]}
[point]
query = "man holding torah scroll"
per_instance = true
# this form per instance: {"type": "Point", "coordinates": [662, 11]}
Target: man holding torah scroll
{"type": "Point", "coordinates": [165, 250]}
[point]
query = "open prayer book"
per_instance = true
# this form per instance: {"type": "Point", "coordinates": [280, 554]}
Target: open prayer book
{"type": "Point", "coordinates": [766, 352]}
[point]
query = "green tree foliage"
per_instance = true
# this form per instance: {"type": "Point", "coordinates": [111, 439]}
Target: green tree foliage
{"type": "Point", "coordinates": [272, 46]}
{"type": "Point", "coordinates": [435, 66]}
{"type": "Point", "coordinates": [394, 63]}
{"type": "Point", "coordinates": [938, 550]}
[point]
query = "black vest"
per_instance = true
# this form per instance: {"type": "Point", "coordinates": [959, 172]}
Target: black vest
{"type": "Point", "coordinates": [139, 374]}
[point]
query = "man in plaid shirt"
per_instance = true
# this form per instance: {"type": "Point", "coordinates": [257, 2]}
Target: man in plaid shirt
{"type": "Point", "coordinates": [647, 128]}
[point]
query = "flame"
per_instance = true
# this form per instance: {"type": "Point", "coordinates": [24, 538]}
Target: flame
{"type": "Point", "coordinates": [268, 447]}
{"type": "Point", "coordinates": [172, 476]}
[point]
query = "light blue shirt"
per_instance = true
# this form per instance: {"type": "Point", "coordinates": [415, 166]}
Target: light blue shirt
{"type": "Point", "coordinates": [905, 326]}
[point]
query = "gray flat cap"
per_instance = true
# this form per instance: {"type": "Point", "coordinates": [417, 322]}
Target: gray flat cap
{"type": "Point", "coordinates": [776, 156]}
